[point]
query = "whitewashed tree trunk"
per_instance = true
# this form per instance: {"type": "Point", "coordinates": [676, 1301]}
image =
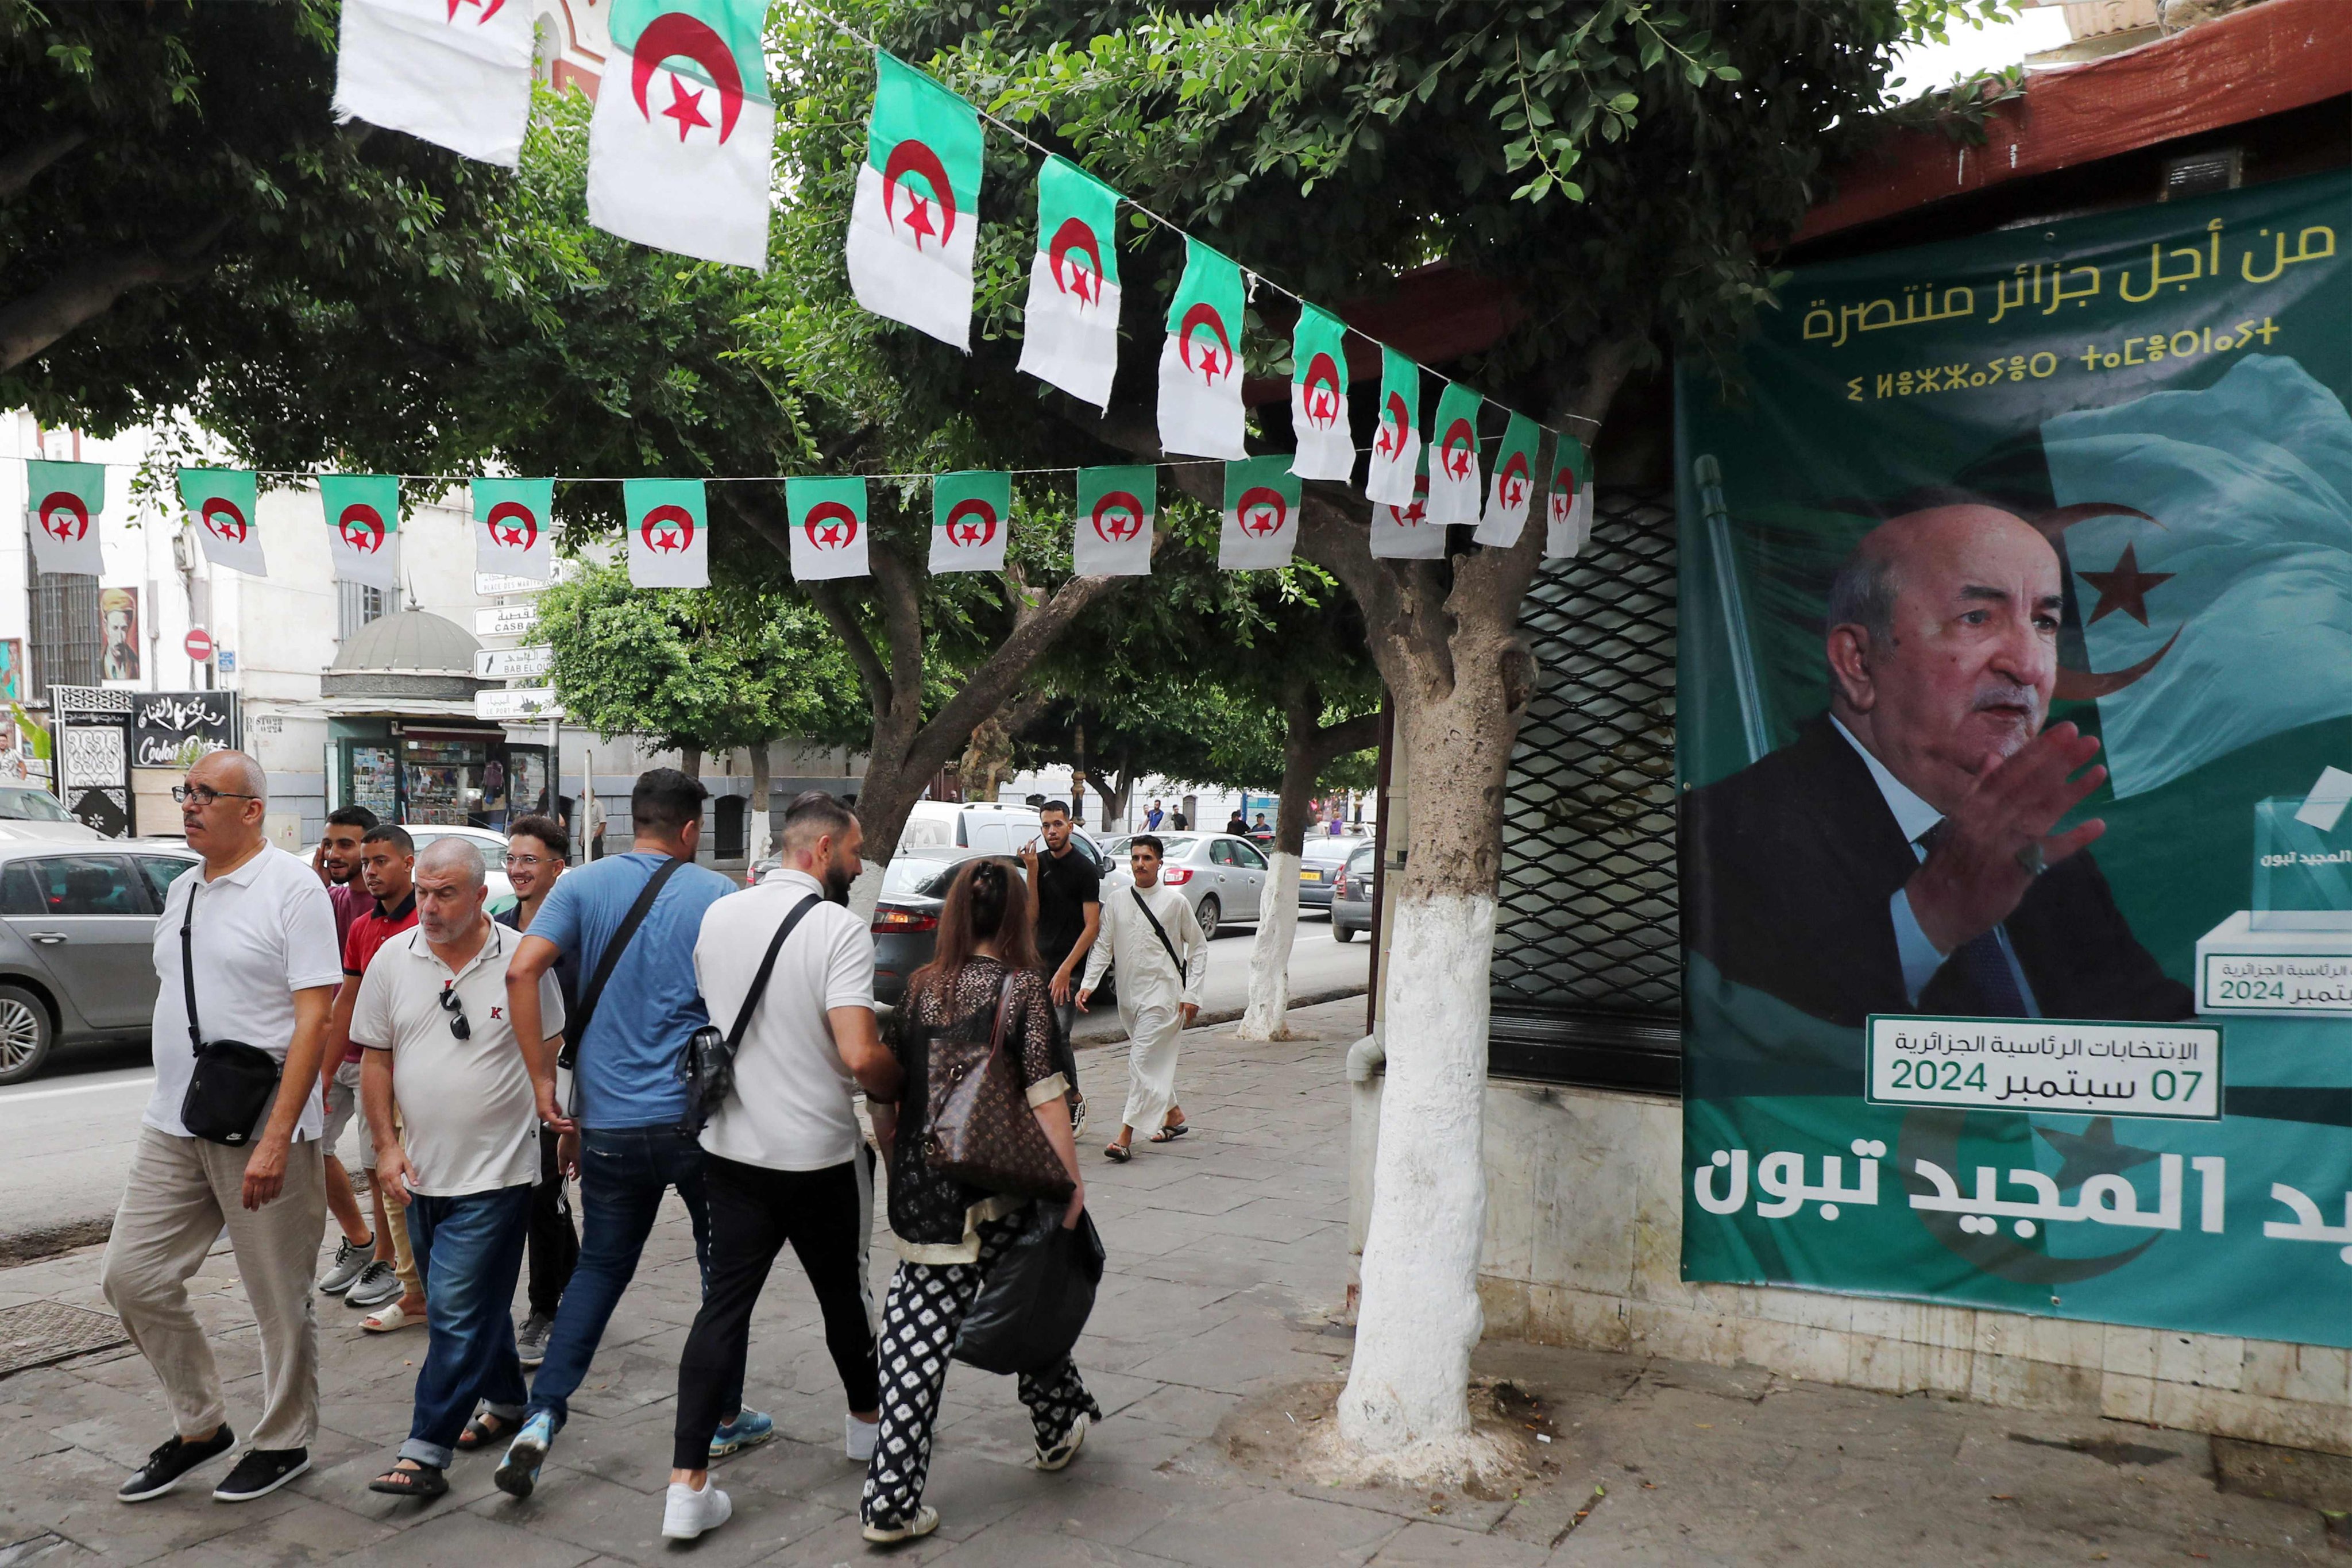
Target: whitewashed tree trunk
{"type": "Point", "coordinates": [756, 840]}
{"type": "Point", "coordinates": [1308, 747]}
{"type": "Point", "coordinates": [1269, 979]}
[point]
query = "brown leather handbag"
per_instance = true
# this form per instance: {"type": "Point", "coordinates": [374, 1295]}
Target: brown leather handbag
{"type": "Point", "coordinates": [981, 1131]}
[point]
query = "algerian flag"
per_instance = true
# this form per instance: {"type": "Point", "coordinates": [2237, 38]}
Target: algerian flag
{"type": "Point", "coordinates": [1201, 363]}
{"type": "Point", "coordinates": [917, 207]}
{"type": "Point", "coordinates": [683, 131]}
{"type": "Point", "coordinates": [363, 514]}
{"type": "Point", "coordinates": [1261, 515]}
{"type": "Point", "coordinates": [1404, 532]}
{"type": "Point", "coordinates": [971, 518]}
{"type": "Point", "coordinates": [1070, 334]}
{"type": "Point", "coordinates": [1113, 532]}
{"type": "Point", "coordinates": [455, 72]}
{"type": "Point", "coordinates": [2228, 618]}
{"type": "Point", "coordinates": [1512, 490]}
{"type": "Point", "coordinates": [1454, 469]}
{"type": "Point", "coordinates": [669, 533]}
{"type": "Point", "coordinates": [221, 501]}
{"type": "Point", "coordinates": [65, 499]}
{"type": "Point", "coordinates": [1399, 476]}
{"type": "Point", "coordinates": [1318, 398]}
{"type": "Point", "coordinates": [514, 527]}
{"type": "Point", "coordinates": [1567, 512]}
{"type": "Point", "coordinates": [828, 528]}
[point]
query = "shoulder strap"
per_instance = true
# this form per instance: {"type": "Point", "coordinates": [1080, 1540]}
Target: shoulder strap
{"type": "Point", "coordinates": [768, 967]}
{"type": "Point", "coordinates": [576, 1030]}
{"type": "Point", "coordinates": [188, 969]}
{"type": "Point", "coordinates": [1004, 1014]}
{"type": "Point", "coordinates": [1157, 928]}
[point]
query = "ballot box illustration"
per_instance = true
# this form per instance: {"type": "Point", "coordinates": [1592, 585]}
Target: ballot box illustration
{"type": "Point", "coordinates": [2291, 954]}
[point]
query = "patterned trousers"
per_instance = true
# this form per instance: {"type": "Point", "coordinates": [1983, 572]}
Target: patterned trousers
{"type": "Point", "coordinates": [927, 1306]}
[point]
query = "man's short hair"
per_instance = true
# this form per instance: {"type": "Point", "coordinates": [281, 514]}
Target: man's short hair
{"type": "Point", "coordinates": [357, 816]}
{"type": "Point", "coordinates": [665, 801]}
{"type": "Point", "coordinates": [390, 833]}
{"type": "Point", "coordinates": [546, 829]}
{"type": "Point", "coordinates": [1862, 594]}
{"type": "Point", "coordinates": [454, 849]}
{"type": "Point", "coordinates": [1148, 841]}
{"type": "Point", "coordinates": [813, 814]}
{"type": "Point", "coordinates": [1053, 806]}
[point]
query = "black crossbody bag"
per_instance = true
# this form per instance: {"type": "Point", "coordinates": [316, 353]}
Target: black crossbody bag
{"type": "Point", "coordinates": [1157, 930]}
{"type": "Point", "coordinates": [707, 1064]}
{"type": "Point", "coordinates": [233, 1083]}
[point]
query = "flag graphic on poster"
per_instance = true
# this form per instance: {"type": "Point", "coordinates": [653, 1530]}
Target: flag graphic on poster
{"type": "Point", "coordinates": [669, 533]}
{"type": "Point", "coordinates": [971, 519]}
{"type": "Point", "coordinates": [1114, 525]}
{"type": "Point", "coordinates": [1511, 493]}
{"type": "Point", "coordinates": [1568, 511]}
{"type": "Point", "coordinates": [64, 501]}
{"type": "Point", "coordinates": [917, 207]}
{"type": "Point", "coordinates": [455, 73]}
{"type": "Point", "coordinates": [683, 131]}
{"type": "Point", "coordinates": [1454, 478]}
{"type": "Point", "coordinates": [1201, 363]}
{"type": "Point", "coordinates": [222, 501]}
{"type": "Point", "coordinates": [1318, 398]}
{"type": "Point", "coordinates": [1261, 515]}
{"type": "Point", "coordinates": [1071, 326]}
{"type": "Point", "coordinates": [1398, 475]}
{"type": "Point", "coordinates": [828, 528]}
{"type": "Point", "coordinates": [1404, 532]}
{"type": "Point", "coordinates": [363, 520]}
{"type": "Point", "coordinates": [514, 528]}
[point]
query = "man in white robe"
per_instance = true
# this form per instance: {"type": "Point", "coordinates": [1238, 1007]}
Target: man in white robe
{"type": "Point", "coordinates": [1148, 930]}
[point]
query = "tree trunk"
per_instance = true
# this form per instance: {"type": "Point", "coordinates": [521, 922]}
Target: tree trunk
{"type": "Point", "coordinates": [1308, 748]}
{"type": "Point", "coordinates": [756, 831]}
{"type": "Point", "coordinates": [689, 760]}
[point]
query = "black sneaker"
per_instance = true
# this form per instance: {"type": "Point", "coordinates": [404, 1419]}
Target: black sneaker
{"type": "Point", "coordinates": [174, 1459]}
{"type": "Point", "coordinates": [261, 1472]}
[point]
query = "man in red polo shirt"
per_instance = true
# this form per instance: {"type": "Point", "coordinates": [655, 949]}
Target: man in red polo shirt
{"type": "Point", "coordinates": [337, 861]}
{"type": "Point", "coordinates": [387, 1290]}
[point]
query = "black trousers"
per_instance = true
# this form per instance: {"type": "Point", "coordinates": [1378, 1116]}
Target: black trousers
{"type": "Point", "coordinates": [555, 1245]}
{"type": "Point", "coordinates": [754, 1212]}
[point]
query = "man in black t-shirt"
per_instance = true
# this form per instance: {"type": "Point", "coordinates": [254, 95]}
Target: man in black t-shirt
{"type": "Point", "coordinates": [1067, 894]}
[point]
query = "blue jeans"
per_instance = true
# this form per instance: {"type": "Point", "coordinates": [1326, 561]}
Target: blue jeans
{"type": "Point", "coordinates": [468, 1254]}
{"type": "Point", "coordinates": [622, 1174]}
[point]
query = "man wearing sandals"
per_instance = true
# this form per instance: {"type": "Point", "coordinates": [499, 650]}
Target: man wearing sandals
{"type": "Point", "coordinates": [1162, 957]}
{"type": "Point", "coordinates": [432, 1014]}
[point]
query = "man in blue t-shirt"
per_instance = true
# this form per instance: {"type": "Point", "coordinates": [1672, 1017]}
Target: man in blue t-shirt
{"type": "Point", "coordinates": [623, 1132]}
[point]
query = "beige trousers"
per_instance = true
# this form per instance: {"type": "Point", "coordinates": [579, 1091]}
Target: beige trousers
{"type": "Point", "coordinates": [180, 1193]}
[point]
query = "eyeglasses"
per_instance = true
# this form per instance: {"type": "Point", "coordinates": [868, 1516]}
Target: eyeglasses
{"type": "Point", "coordinates": [204, 794]}
{"type": "Point", "coordinates": [456, 1011]}
{"type": "Point", "coordinates": [529, 862]}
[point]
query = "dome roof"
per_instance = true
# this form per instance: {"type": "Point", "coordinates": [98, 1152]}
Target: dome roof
{"type": "Point", "coordinates": [411, 642]}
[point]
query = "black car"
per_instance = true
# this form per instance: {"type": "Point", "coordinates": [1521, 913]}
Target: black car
{"type": "Point", "coordinates": [907, 917]}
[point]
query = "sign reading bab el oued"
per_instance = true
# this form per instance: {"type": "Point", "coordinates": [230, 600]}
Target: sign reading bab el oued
{"type": "Point", "coordinates": [2094, 474]}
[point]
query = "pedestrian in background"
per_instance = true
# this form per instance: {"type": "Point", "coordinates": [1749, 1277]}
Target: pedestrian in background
{"type": "Point", "coordinates": [433, 1016]}
{"type": "Point", "coordinates": [337, 861]}
{"type": "Point", "coordinates": [249, 937]}
{"type": "Point", "coordinates": [1152, 818]}
{"type": "Point", "coordinates": [1150, 933]}
{"type": "Point", "coordinates": [952, 1237]}
{"type": "Point", "coordinates": [1065, 891]}
{"type": "Point", "coordinates": [388, 1289]}
{"type": "Point", "coordinates": [537, 851]}
{"type": "Point", "coordinates": [1235, 825]}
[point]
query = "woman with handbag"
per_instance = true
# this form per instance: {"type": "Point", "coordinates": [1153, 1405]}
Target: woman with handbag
{"type": "Point", "coordinates": [981, 1135]}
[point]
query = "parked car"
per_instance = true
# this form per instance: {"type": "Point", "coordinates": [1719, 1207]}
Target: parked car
{"type": "Point", "coordinates": [31, 814]}
{"type": "Point", "coordinates": [907, 919]}
{"type": "Point", "coordinates": [1223, 876]}
{"type": "Point", "coordinates": [1318, 868]}
{"type": "Point", "coordinates": [493, 847]}
{"type": "Point", "coordinates": [1354, 894]}
{"type": "Point", "coordinates": [76, 931]}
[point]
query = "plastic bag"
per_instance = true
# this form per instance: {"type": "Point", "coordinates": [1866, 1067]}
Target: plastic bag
{"type": "Point", "coordinates": [1036, 1300]}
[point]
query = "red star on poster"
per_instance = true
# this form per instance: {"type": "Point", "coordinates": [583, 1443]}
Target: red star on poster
{"type": "Point", "coordinates": [684, 107]}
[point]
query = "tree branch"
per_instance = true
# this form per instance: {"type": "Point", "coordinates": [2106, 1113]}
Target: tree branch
{"type": "Point", "coordinates": [31, 323]}
{"type": "Point", "coordinates": [19, 168]}
{"type": "Point", "coordinates": [902, 625]}
{"type": "Point", "coordinates": [826, 597]}
{"type": "Point", "coordinates": [985, 690]}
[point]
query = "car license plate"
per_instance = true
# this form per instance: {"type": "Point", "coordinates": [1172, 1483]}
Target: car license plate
{"type": "Point", "coordinates": [1310, 875]}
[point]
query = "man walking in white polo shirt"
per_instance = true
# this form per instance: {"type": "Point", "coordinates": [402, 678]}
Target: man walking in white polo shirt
{"type": "Point", "coordinates": [250, 938]}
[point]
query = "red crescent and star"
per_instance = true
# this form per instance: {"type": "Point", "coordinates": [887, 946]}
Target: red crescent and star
{"type": "Point", "coordinates": [2124, 587]}
{"type": "Point", "coordinates": [1512, 484]}
{"type": "Point", "coordinates": [914, 157]}
{"type": "Point", "coordinates": [1457, 460]}
{"type": "Point", "coordinates": [63, 517]}
{"type": "Point", "coordinates": [830, 525]}
{"type": "Point", "coordinates": [362, 527]}
{"type": "Point", "coordinates": [222, 518]}
{"type": "Point", "coordinates": [1394, 421]}
{"type": "Point", "coordinates": [490, 9]}
{"type": "Point", "coordinates": [1117, 517]}
{"type": "Point", "coordinates": [512, 525]}
{"type": "Point", "coordinates": [1563, 496]}
{"type": "Point", "coordinates": [1322, 386]}
{"type": "Point", "coordinates": [1417, 513]}
{"type": "Point", "coordinates": [1077, 237]}
{"type": "Point", "coordinates": [675, 524]}
{"type": "Point", "coordinates": [675, 34]}
{"type": "Point", "coordinates": [1205, 315]}
{"type": "Point", "coordinates": [971, 522]}
{"type": "Point", "coordinates": [1260, 511]}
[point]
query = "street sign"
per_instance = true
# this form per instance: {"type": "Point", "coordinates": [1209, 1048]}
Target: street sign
{"type": "Point", "coordinates": [513, 663]}
{"type": "Point", "coordinates": [491, 583]}
{"type": "Point", "coordinates": [506, 621]}
{"type": "Point", "coordinates": [199, 644]}
{"type": "Point", "coordinates": [517, 702]}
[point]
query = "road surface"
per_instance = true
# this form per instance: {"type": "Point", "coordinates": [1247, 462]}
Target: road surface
{"type": "Point", "coordinates": [66, 1137]}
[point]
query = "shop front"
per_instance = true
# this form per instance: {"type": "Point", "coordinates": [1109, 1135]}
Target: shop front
{"type": "Point", "coordinates": [449, 771]}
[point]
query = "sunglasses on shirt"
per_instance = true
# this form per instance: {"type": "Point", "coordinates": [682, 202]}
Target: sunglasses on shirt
{"type": "Point", "coordinates": [451, 1005]}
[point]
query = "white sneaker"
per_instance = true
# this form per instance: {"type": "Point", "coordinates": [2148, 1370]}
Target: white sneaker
{"type": "Point", "coordinates": [1059, 1455]}
{"type": "Point", "coordinates": [689, 1512]}
{"type": "Point", "coordinates": [859, 1437]}
{"type": "Point", "coordinates": [926, 1520]}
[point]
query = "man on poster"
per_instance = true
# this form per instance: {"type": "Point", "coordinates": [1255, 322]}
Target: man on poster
{"type": "Point", "coordinates": [1902, 854]}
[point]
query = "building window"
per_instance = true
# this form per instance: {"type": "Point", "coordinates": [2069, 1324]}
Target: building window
{"type": "Point", "coordinates": [68, 644]}
{"type": "Point", "coordinates": [356, 604]}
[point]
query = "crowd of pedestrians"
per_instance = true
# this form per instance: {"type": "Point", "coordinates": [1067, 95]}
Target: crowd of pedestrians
{"type": "Point", "coordinates": [640, 1025]}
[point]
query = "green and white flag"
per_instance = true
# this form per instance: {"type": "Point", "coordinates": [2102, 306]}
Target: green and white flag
{"type": "Point", "coordinates": [1201, 363]}
{"type": "Point", "coordinates": [1511, 493]}
{"type": "Point", "coordinates": [1318, 398]}
{"type": "Point", "coordinates": [971, 518]}
{"type": "Point", "coordinates": [64, 501]}
{"type": "Point", "coordinates": [1261, 515]}
{"type": "Point", "coordinates": [1454, 478]}
{"type": "Point", "coordinates": [1398, 477]}
{"type": "Point", "coordinates": [669, 533]}
{"type": "Point", "coordinates": [683, 132]}
{"type": "Point", "coordinates": [918, 208]}
{"type": "Point", "coordinates": [363, 514]}
{"type": "Point", "coordinates": [1567, 513]}
{"type": "Point", "coordinates": [222, 502]}
{"type": "Point", "coordinates": [1113, 532]}
{"type": "Point", "coordinates": [514, 528]}
{"type": "Point", "coordinates": [454, 72]}
{"type": "Point", "coordinates": [1404, 532]}
{"type": "Point", "coordinates": [828, 528]}
{"type": "Point", "coordinates": [1070, 330]}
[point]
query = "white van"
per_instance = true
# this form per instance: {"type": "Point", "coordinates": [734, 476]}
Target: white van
{"type": "Point", "coordinates": [989, 826]}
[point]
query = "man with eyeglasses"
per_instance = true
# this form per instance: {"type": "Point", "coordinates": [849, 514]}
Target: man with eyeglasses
{"type": "Point", "coordinates": [537, 850]}
{"type": "Point", "coordinates": [432, 1013]}
{"type": "Point", "coordinates": [388, 1289]}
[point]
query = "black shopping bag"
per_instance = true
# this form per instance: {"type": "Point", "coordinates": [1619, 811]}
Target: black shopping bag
{"type": "Point", "coordinates": [1036, 1302]}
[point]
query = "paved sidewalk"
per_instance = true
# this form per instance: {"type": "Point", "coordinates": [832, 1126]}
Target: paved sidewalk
{"type": "Point", "coordinates": [1227, 1250]}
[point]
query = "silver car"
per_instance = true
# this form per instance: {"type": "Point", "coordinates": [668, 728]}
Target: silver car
{"type": "Point", "coordinates": [1225, 877]}
{"type": "Point", "coordinates": [77, 933]}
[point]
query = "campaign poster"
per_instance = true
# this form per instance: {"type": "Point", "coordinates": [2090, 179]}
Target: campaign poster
{"type": "Point", "coordinates": [118, 613]}
{"type": "Point", "coordinates": [2015, 730]}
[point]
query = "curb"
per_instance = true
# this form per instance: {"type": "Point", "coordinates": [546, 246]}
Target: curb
{"type": "Point", "coordinates": [1210, 1020]}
